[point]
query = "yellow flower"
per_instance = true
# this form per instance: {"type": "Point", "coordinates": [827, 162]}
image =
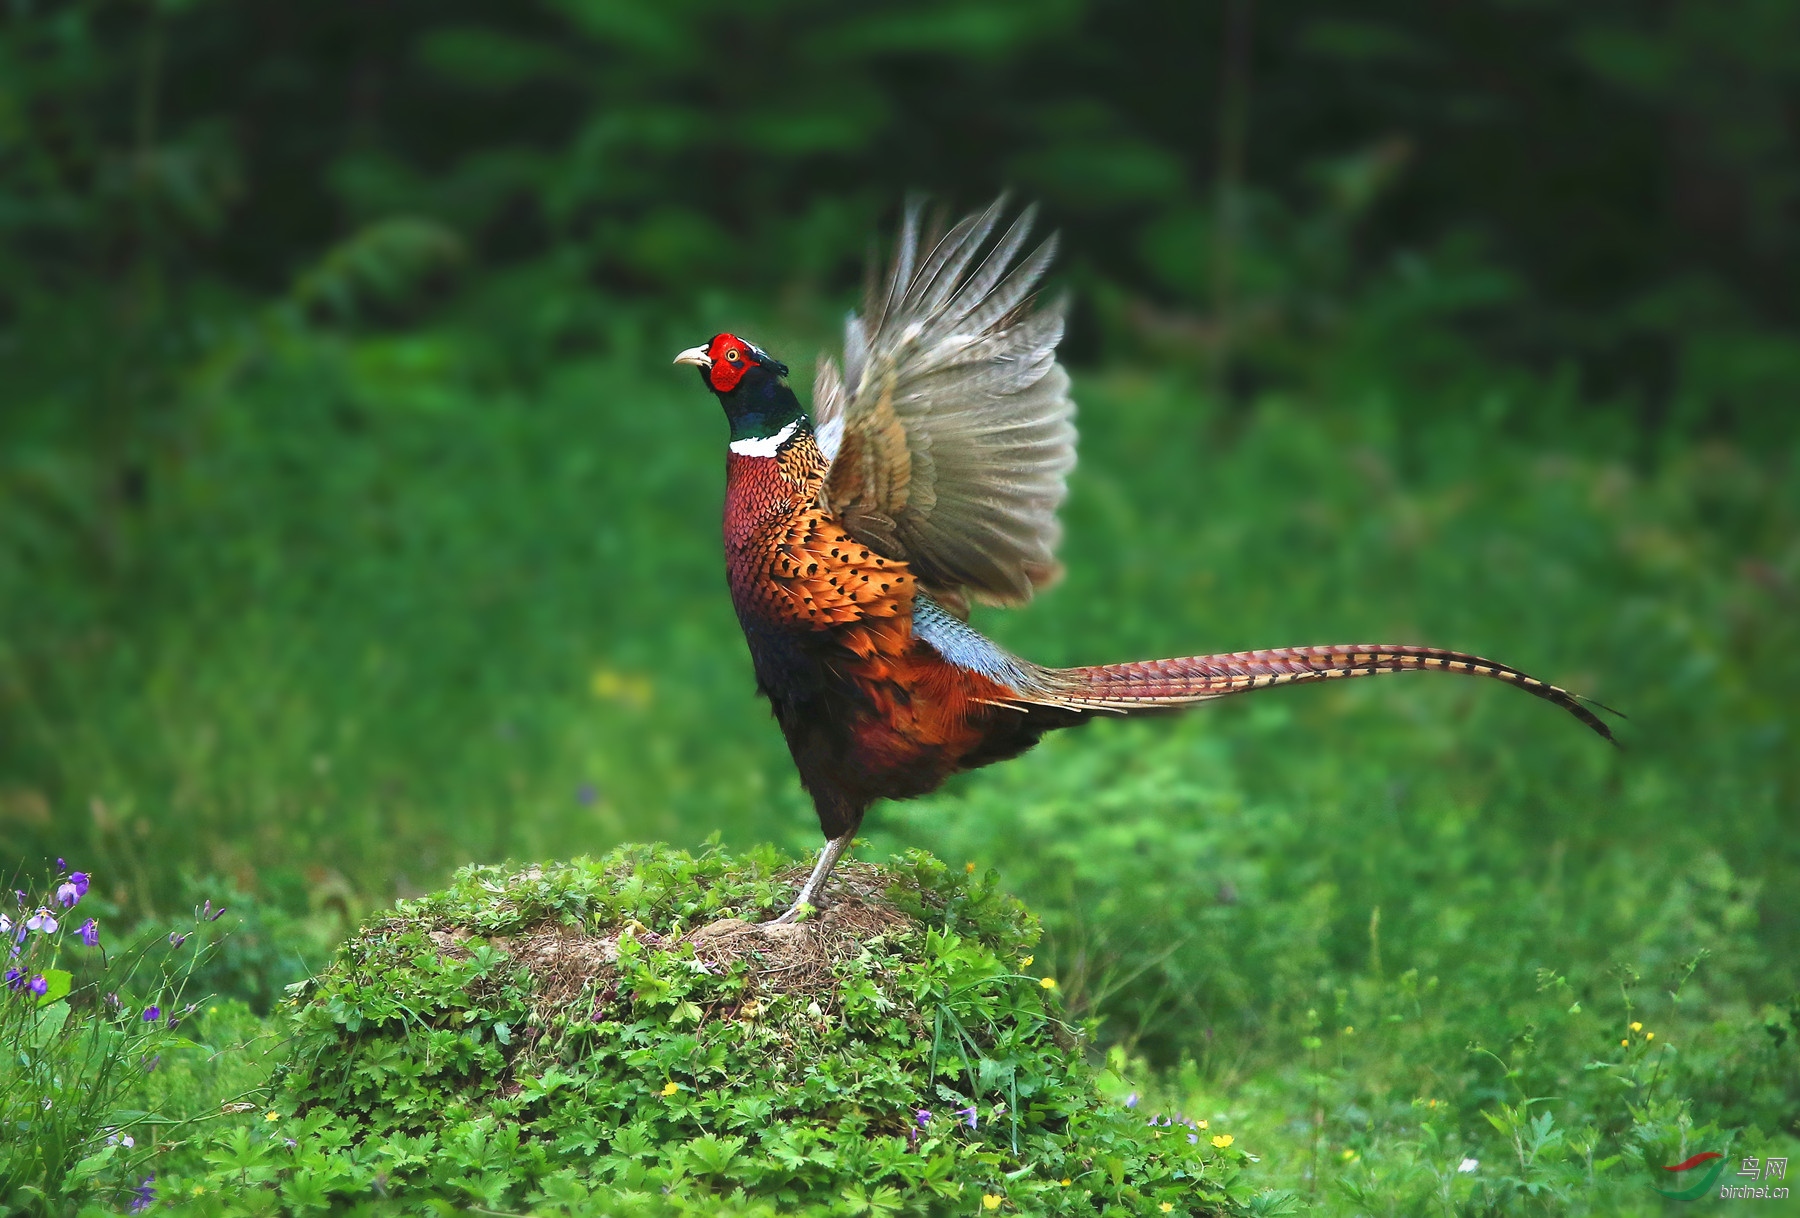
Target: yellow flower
{"type": "Point", "coordinates": [1165, 1207]}
{"type": "Point", "coordinates": [1222, 1140]}
{"type": "Point", "coordinates": [631, 689]}
{"type": "Point", "coordinates": [199, 1189]}
{"type": "Point", "coordinates": [970, 868]}
{"type": "Point", "coordinates": [1048, 983]}
{"type": "Point", "coordinates": [1348, 1154]}
{"type": "Point", "coordinates": [670, 1088]}
{"type": "Point", "coordinates": [1626, 1042]}
{"type": "Point", "coordinates": [212, 1010]}
{"type": "Point", "coordinates": [1649, 1036]}
{"type": "Point", "coordinates": [1636, 1026]}
{"type": "Point", "coordinates": [271, 1116]}
{"type": "Point", "coordinates": [1065, 1182]}
{"type": "Point", "coordinates": [1349, 1031]}
{"type": "Point", "coordinates": [1200, 1124]}
{"type": "Point", "coordinates": [1026, 962]}
{"type": "Point", "coordinates": [990, 1201]}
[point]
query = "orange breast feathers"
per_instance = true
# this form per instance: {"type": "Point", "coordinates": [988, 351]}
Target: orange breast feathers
{"type": "Point", "coordinates": [829, 578]}
{"type": "Point", "coordinates": [793, 566]}
{"type": "Point", "coordinates": [790, 561]}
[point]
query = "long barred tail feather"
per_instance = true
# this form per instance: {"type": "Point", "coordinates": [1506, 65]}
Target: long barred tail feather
{"type": "Point", "coordinates": [1166, 684]}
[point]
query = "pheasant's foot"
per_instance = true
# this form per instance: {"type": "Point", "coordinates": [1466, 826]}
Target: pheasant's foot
{"type": "Point", "coordinates": [815, 883]}
{"type": "Point", "coordinates": [795, 912]}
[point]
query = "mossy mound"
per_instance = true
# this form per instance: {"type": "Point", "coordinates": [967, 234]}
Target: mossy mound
{"type": "Point", "coordinates": [617, 1035]}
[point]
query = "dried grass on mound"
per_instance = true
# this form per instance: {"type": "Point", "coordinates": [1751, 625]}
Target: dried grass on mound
{"type": "Point", "coordinates": [569, 962]}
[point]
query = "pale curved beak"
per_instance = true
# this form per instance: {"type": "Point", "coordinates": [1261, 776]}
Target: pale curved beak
{"type": "Point", "coordinates": [696, 356]}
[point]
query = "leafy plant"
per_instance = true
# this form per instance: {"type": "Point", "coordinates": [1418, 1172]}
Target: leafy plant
{"type": "Point", "coordinates": [81, 1026]}
{"type": "Point", "coordinates": [569, 1038]}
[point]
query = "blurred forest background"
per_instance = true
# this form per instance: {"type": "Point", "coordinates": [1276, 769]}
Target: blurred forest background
{"type": "Point", "coordinates": [353, 526]}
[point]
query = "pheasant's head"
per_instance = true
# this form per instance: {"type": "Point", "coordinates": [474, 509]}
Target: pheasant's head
{"type": "Point", "coordinates": [748, 380]}
{"type": "Point", "coordinates": [727, 360]}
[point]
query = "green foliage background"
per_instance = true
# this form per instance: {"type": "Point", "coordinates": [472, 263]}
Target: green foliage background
{"type": "Point", "coordinates": [353, 527]}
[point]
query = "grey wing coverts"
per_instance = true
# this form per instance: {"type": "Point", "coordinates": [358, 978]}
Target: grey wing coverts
{"type": "Point", "coordinates": [950, 430]}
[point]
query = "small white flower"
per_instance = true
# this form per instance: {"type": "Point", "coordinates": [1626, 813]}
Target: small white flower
{"type": "Point", "coordinates": [1468, 1165]}
{"type": "Point", "coordinates": [43, 920]}
{"type": "Point", "coordinates": [5, 925]}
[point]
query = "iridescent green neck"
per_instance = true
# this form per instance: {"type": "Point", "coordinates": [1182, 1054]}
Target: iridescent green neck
{"type": "Point", "coordinates": [761, 408]}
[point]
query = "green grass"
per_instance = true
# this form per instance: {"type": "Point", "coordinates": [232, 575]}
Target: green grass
{"type": "Point", "coordinates": [475, 1046]}
{"type": "Point", "coordinates": [396, 603]}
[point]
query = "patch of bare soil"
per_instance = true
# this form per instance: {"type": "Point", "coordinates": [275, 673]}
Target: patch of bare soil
{"type": "Point", "coordinates": [567, 962]}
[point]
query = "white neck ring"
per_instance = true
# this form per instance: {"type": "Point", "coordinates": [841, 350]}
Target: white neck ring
{"type": "Point", "coordinates": [764, 446]}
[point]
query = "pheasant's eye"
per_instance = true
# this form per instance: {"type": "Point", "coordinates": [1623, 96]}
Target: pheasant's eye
{"type": "Point", "coordinates": [732, 355]}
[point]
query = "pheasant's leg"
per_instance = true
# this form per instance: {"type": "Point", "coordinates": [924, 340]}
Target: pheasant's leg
{"type": "Point", "coordinates": [821, 871]}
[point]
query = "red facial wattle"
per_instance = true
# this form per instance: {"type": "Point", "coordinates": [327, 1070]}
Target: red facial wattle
{"type": "Point", "coordinates": [730, 360]}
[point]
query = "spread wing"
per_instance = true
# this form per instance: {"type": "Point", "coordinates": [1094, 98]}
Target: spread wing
{"type": "Point", "coordinates": [950, 430]}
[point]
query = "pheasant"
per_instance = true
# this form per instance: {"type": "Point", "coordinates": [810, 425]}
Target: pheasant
{"type": "Point", "coordinates": [929, 472]}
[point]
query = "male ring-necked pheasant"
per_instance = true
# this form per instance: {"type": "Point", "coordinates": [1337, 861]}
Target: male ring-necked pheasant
{"type": "Point", "coordinates": [930, 471]}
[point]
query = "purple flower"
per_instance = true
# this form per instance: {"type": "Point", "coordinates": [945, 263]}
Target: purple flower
{"type": "Point", "coordinates": [89, 933]}
{"type": "Point", "coordinates": [968, 1112]}
{"type": "Point", "coordinates": [37, 985]}
{"type": "Point", "coordinates": [72, 889]}
{"type": "Point", "coordinates": [61, 866]}
{"type": "Point", "coordinates": [922, 1116]}
{"type": "Point", "coordinates": [6, 925]}
{"type": "Point", "coordinates": [43, 921]}
{"type": "Point", "coordinates": [152, 1014]}
{"type": "Point", "coordinates": [1193, 1139]}
{"type": "Point", "coordinates": [152, 1063]}
{"type": "Point", "coordinates": [1131, 1100]}
{"type": "Point", "coordinates": [144, 1195]}
{"type": "Point", "coordinates": [176, 940]}
{"type": "Point", "coordinates": [209, 914]}
{"type": "Point", "coordinates": [15, 979]}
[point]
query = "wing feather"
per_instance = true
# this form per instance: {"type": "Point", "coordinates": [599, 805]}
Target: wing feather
{"type": "Point", "coordinates": [941, 274]}
{"type": "Point", "coordinates": [828, 408]}
{"type": "Point", "coordinates": [950, 431]}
